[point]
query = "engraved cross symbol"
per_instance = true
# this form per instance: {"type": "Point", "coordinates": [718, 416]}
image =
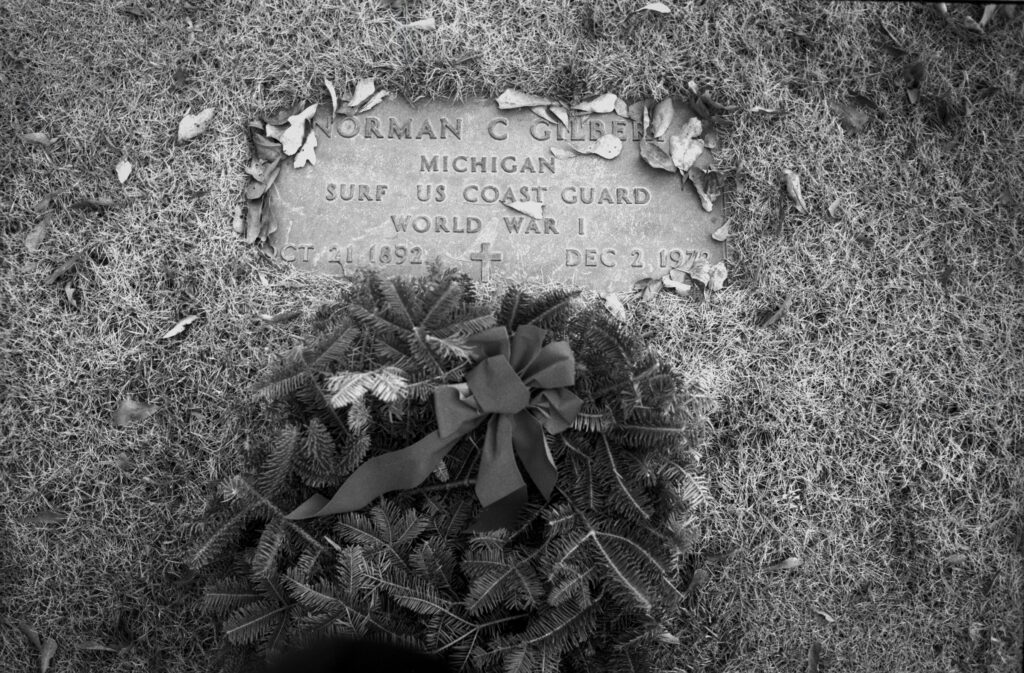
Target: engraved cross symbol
{"type": "Point", "coordinates": [485, 257]}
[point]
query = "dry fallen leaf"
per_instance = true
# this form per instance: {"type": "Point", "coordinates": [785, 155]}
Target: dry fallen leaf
{"type": "Point", "coordinates": [253, 219]}
{"type": "Point", "coordinates": [686, 146]}
{"type": "Point", "coordinates": [788, 564]}
{"type": "Point", "coordinates": [722, 233]}
{"type": "Point", "coordinates": [364, 89]}
{"type": "Point", "coordinates": [813, 657]}
{"type": "Point", "coordinates": [678, 281]}
{"type": "Point", "coordinates": [542, 112]}
{"type": "Point", "coordinates": [766, 110]}
{"type": "Point", "coordinates": [829, 619]}
{"type": "Point", "coordinates": [656, 8]}
{"type": "Point", "coordinates": [37, 138]}
{"type": "Point", "coordinates": [96, 646]}
{"type": "Point", "coordinates": [266, 148]}
{"type": "Point", "coordinates": [834, 210]}
{"type": "Point", "coordinates": [511, 99]}
{"type": "Point", "coordinates": [531, 208]}
{"type": "Point", "coordinates": [561, 114]}
{"type": "Point", "coordinates": [123, 170]}
{"type": "Point", "coordinates": [705, 183]}
{"type": "Point", "coordinates": [700, 272]}
{"type": "Point", "coordinates": [913, 75]}
{"type": "Point", "coordinates": [564, 152]}
{"type": "Point", "coordinates": [30, 634]}
{"type": "Point", "coordinates": [334, 96]}
{"type": "Point", "coordinates": [614, 305]}
{"type": "Point", "coordinates": [621, 108]}
{"type": "Point", "coordinates": [662, 118]}
{"type": "Point", "coordinates": [291, 139]}
{"type": "Point", "coordinates": [283, 316]}
{"type": "Point", "coordinates": [375, 100]}
{"type": "Point", "coordinates": [46, 653]}
{"type": "Point", "coordinates": [655, 157]}
{"type": "Point", "coordinates": [35, 238]}
{"type": "Point", "coordinates": [603, 104]}
{"type": "Point", "coordinates": [307, 153]}
{"type": "Point", "coordinates": [699, 579]}
{"type": "Point", "coordinates": [987, 14]}
{"type": "Point", "coordinates": [191, 126]}
{"type": "Point", "coordinates": [793, 189]}
{"type": "Point", "coordinates": [427, 24]}
{"type": "Point", "coordinates": [717, 276]}
{"type": "Point", "coordinates": [607, 147]}
{"type": "Point", "coordinates": [778, 314]}
{"type": "Point", "coordinates": [180, 326]}
{"type": "Point", "coordinates": [129, 411]}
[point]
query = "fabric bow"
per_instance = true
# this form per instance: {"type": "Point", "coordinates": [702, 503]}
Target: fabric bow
{"type": "Point", "coordinates": [519, 387]}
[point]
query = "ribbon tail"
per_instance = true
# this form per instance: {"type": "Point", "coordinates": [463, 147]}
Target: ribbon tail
{"type": "Point", "coordinates": [501, 514]}
{"type": "Point", "coordinates": [403, 469]}
{"type": "Point", "coordinates": [532, 448]}
{"type": "Point", "coordinates": [498, 475]}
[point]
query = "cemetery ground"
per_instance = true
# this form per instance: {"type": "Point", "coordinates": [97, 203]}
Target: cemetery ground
{"type": "Point", "coordinates": [872, 429]}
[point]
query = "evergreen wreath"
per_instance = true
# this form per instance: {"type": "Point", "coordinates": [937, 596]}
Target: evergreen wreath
{"type": "Point", "coordinates": [578, 568]}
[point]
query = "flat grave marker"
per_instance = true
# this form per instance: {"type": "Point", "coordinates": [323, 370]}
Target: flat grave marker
{"type": "Point", "coordinates": [404, 185]}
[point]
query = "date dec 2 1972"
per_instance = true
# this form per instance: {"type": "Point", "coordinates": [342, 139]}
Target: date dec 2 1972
{"type": "Point", "coordinates": [402, 186]}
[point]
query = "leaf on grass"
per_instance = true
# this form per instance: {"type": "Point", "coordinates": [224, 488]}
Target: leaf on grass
{"type": "Point", "coordinates": [334, 96]}
{"type": "Point", "coordinates": [291, 139]}
{"type": "Point", "coordinates": [678, 281]}
{"type": "Point", "coordinates": [192, 126]}
{"type": "Point", "coordinates": [180, 326]}
{"type": "Point", "coordinates": [37, 138]}
{"type": "Point", "coordinates": [774, 317]}
{"type": "Point", "coordinates": [45, 516]}
{"type": "Point", "coordinates": [307, 153]}
{"type": "Point", "coordinates": [655, 157]}
{"type": "Point", "coordinates": [607, 146]}
{"type": "Point", "coordinates": [614, 305]}
{"type": "Point", "coordinates": [834, 210]}
{"type": "Point", "coordinates": [129, 411]}
{"type": "Point", "coordinates": [43, 204]}
{"type": "Point", "coordinates": [987, 14]}
{"type": "Point", "coordinates": [364, 89]}
{"type": "Point", "coordinates": [283, 316]}
{"type": "Point", "coordinates": [717, 276]}
{"type": "Point", "coordinates": [46, 653]}
{"type": "Point", "coordinates": [621, 108]}
{"type": "Point", "coordinates": [603, 104]}
{"type": "Point", "coordinates": [829, 619]}
{"type": "Point", "coordinates": [96, 646]}
{"type": "Point", "coordinates": [913, 75]}
{"type": "Point", "coordinates": [375, 100]}
{"type": "Point", "coordinates": [813, 657]}
{"type": "Point", "coordinates": [35, 238]}
{"type": "Point", "coordinates": [662, 118]}
{"type": "Point", "coordinates": [788, 564]}
{"type": "Point", "coordinates": [237, 221]}
{"type": "Point", "coordinates": [253, 219]}
{"type": "Point", "coordinates": [532, 208]}
{"type": "Point", "coordinates": [266, 148]}
{"type": "Point", "coordinates": [427, 24]}
{"type": "Point", "coordinates": [655, 8]}
{"type": "Point", "coordinates": [686, 146]}
{"type": "Point", "coordinates": [510, 99]}
{"type": "Point", "coordinates": [700, 272]}
{"type": "Point", "coordinates": [123, 169]}
{"type": "Point", "coordinates": [794, 190]}
{"type": "Point", "coordinates": [722, 233]}
{"type": "Point", "coordinates": [636, 111]}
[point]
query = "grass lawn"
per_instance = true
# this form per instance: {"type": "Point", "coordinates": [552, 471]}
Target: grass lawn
{"type": "Point", "coordinates": [875, 431]}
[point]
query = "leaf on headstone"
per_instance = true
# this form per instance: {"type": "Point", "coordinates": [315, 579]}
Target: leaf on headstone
{"type": "Point", "coordinates": [564, 152]}
{"type": "Point", "coordinates": [510, 99]}
{"type": "Point", "coordinates": [678, 281]}
{"type": "Point", "coordinates": [621, 108]}
{"type": "Point", "coordinates": [307, 153]}
{"type": "Point", "coordinates": [69, 292]}
{"type": "Point", "coordinates": [777, 315]}
{"type": "Point", "coordinates": [655, 157]}
{"type": "Point", "coordinates": [794, 190]}
{"type": "Point", "coordinates": [834, 210]}
{"type": "Point", "coordinates": [44, 517]}
{"type": "Point", "coordinates": [788, 564]}
{"type": "Point", "coordinates": [334, 96]}
{"type": "Point", "coordinates": [237, 221]}
{"type": "Point", "coordinates": [266, 149]}
{"type": "Point", "coordinates": [46, 653]}
{"type": "Point", "coordinates": [607, 146]}
{"type": "Point", "coordinates": [655, 8]}
{"type": "Point", "coordinates": [70, 265]}
{"type": "Point", "coordinates": [722, 233]}
{"type": "Point", "coordinates": [700, 272]}
{"type": "Point", "coordinates": [35, 238]}
{"type": "Point", "coordinates": [291, 140]}
{"type": "Point", "coordinates": [364, 89]}
{"type": "Point", "coordinates": [686, 146]}
{"type": "Point", "coordinates": [192, 126]}
{"type": "Point", "coordinates": [717, 276]}
{"type": "Point", "coordinates": [276, 131]}
{"type": "Point", "coordinates": [561, 114]}
{"type": "Point", "coordinates": [603, 104]}
{"type": "Point", "coordinates": [614, 305]}
{"type": "Point", "coordinates": [829, 619]}
{"type": "Point", "coordinates": [532, 208]}
{"type": "Point", "coordinates": [636, 111]}
{"type": "Point", "coordinates": [37, 138]}
{"type": "Point", "coordinates": [705, 183]}
{"type": "Point", "coordinates": [123, 170]}
{"type": "Point", "coordinates": [180, 326]}
{"type": "Point", "coordinates": [253, 219]}
{"type": "Point", "coordinates": [662, 118]}
{"type": "Point", "coordinates": [427, 24]}
{"type": "Point", "coordinates": [375, 100]}
{"type": "Point", "coordinates": [813, 657]}
{"type": "Point", "coordinates": [542, 112]}
{"type": "Point", "coordinates": [129, 411]}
